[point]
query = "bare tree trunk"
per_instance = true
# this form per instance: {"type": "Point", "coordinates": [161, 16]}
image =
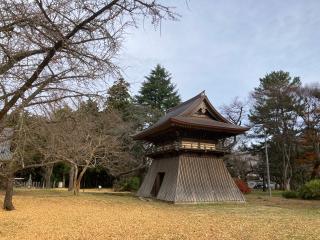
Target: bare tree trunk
{"type": "Point", "coordinates": [286, 178]}
{"type": "Point", "coordinates": [284, 173]}
{"type": "Point", "coordinates": [317, 150]}
{"type": "Point", "coordinates": [64, 180]}
{"type": "Point", "coordinates": [316, 171]}
{"type": "Point", "coordinates": [78, 181]}
{"type": "Point", "coordinates": [77, 187]}
{"type": "Point", "coordinates": [287, 169]}
{"type": "Point", "coordinates": [287, 184]}
{"type": "Point", "coordinates": [75, 177]}
{"type": "Point", "coordinates": [47, 176]}
{"type": "Point", "coordinates": [316, 166]}
{"type": "Point", "coordinates": [8, 204]}
{"type": "Point", "coordinates": [71, 178]}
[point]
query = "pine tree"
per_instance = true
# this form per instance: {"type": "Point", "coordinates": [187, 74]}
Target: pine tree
{"type": "Point", "coordinates": [89, 107]}
{"type": "Point", "coordinates": [274, 113]}
{"type": "Point", "coordinates": [120, 100]}
{"type": "Point", "coordinates": [158, 91]}
{"type": "Point", "coordinates": [118, 96]}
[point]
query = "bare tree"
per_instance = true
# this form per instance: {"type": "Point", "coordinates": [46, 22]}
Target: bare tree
{"type": "Point", "coordinates": [240, 164]}
{"type": "Point", "coordinates": [56, 49]}
{"type": "Point", "coordinates": [309, 111]}
{"type": "Point", "coordinates": [47, 172]}
{"type": "Point", "coordinates": [236, 112]}
{"type": "Point", "coordinates": [86, 140]}
{"type": "Point", "coordinates": [53, 49]}
{"type": "Point", "coordinates": [25, 142]}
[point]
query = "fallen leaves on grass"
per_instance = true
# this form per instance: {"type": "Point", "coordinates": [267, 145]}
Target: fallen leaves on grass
{"type": "Point", "coordinates": [105, 216]}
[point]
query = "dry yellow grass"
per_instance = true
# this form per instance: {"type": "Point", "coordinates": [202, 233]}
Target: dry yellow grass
{"type": "Point", "coordinates": [58, 215]}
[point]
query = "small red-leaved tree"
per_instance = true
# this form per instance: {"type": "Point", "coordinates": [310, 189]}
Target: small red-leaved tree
{"type": "Point", "coordinates": [242, 185]}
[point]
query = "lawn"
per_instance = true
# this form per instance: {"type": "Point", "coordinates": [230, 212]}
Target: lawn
{"type": "Point", "coordinates": [55, 214]}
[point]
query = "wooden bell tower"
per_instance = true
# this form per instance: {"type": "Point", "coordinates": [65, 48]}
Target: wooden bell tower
{"type": "Point", "coordinates": [187, 155]}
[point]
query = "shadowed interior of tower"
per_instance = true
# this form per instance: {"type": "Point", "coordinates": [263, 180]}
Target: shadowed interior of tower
{"type": "Point", "coordinates": [157, 184]}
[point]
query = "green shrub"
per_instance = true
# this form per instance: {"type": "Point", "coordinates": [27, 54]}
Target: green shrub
{"type": "Point", "coordinates": [133, 184]}
{"type": "Point", "coordinates": [290, 194]}
{"type": "Point", "coordinates": [310, 190]}
{"type": "Point", "coordinates": [127, 184]}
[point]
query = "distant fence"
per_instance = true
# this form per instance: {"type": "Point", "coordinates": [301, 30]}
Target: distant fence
{"type": "Point", "coordinates": [22, 183]}
{"type": "Point", "coordinates": [18, 182]}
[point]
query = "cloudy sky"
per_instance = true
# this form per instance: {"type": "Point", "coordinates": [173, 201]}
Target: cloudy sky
{"type": "Point", "coordinates": [225, 46]}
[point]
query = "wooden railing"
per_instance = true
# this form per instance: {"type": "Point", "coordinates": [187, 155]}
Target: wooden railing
{"type": "Point", "coordinates": [187, 145]}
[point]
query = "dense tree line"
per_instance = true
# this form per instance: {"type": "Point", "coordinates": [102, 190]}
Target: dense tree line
{"type": "Point", "coordinates": [71, 138]}
{"type": "Point", "coordinates": [283, 115]}
{"type": "Point", "coordinates": [55, 55]}
{"type": "Point", "coordinates": [56, 50]}
{"type": "Point", "coordinates": [286, 115]}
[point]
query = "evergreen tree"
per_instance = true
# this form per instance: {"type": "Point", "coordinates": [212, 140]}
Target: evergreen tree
{"type": "Point", "coordinates": [158, 91]}
{"type": "Point", "coordinates": [274, 113]}
{"type": "Point", "coordinates": [89, 107]}
{"type": "Point", "coordinates": [120, 100]}
{"type": "Point", "coordinates": [118, 96]}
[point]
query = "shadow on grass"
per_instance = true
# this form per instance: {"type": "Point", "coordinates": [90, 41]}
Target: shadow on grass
{"type": "Point", "coordinates": [120, 194]}
{"type": "Point", "coordinates": [41, 192]}
{"type": "Point", "coordinates": [66, 193]}
{"type": "Point", "coordinates": [255, 200]}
